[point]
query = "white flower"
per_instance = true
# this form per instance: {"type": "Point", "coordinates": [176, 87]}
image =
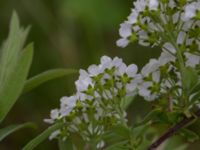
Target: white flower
{"type": "Point", "coordinates": [125, 30]}
{"type": "Point", "coordinates": [94, 70]}
{"type": "Point", "coordinates": [131, 70]}
{"type": "Point", "coordinates": [192, 60]}
{"type": "Point", "coordinates": [123, 42]}
{"type": "Point", "coordinates": [144, 90]}
{"type": "Point", "coordinates": [189, 12]}
{"type": "Point", "coordinates": [67, 105]}
{"type": "Point", "coordinates": [54, 114]}
{"type": "Point", "coordinates": [153, 4]}
{"type": "Point", "coordinates": [175, 17]}
{"type": "Point", "coordinates": [156, 76]}
{"type": "Point", "coordinates": [84, 81]}
{"type": "Point", "coordinates": [181, 37]}
{"type": "Point", "coordinates": [133, 17]}
{"type": "Point", "coordinates": [168, 46]}
{"type": "Point", "coordinates": [117, 62]}
{"type": "Point", "coordinates": [152, 66]}
{"type": "Point", "coordinates": [54, 134]}
{"type": "Point", "coordinates": [165, 58]}
{"type": "Point", "coordinates": [68, 101]}
{"type": "Point", "coordinates": [106, 62]}
{"type": "Point", "coordinates": [140, 5]}
{"type": "Point", "coordinates": [145, 87]}
{"type": "Point", "coordinates": [171, 3]}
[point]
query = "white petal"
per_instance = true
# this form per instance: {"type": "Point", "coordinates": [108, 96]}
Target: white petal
{"type": "Point", "coordinates": [131, 70]}
{"type": "Point", "coordinates": [125, 30]}
{"type": "Point", "coordinates": [123, 42]}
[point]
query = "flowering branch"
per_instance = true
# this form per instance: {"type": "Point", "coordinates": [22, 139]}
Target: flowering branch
{"type": "Point", "coordinates": [171, 131]}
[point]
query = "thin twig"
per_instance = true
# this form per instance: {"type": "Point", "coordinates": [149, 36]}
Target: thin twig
{"type": "Point", "coordinates": [173, 130]}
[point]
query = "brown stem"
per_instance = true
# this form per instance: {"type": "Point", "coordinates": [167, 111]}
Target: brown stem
{"type": "Point", "coordinates": [173, 130]}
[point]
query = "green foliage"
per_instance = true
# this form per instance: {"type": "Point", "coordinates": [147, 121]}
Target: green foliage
{"type": "Point", "coordinates": [189, 79]}
{"type": "Point", "coordinates": [14, 66]}
{"type": "Point", "coordinates": [46, 76]}
{"type": "Point", "coordinates": [12, 128]}
{"type": "Point", "coordinates": [189, 135]}
{"type": "Point", "coordinates": [152, 115]}
{"type": "Point", "coordinates": [174, 142]}
{"type": "Point", "coordinates": [11, 49]}
{"type": "Point", "coordinates": [15, 83]}
{"type": "Point", "coordinates": [40, 138]}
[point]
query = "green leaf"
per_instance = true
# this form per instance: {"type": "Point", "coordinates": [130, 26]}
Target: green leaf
{"type": "Point", "coordinates": [10, 51]}
{"type": "Point", "coordinates": [126, 102]}
{"type": "Point", "coordinates": [15, 83]}
{"type": "Point", "coordinates": [122, 131]}
{"type": "Point", "coordinates": [190, 78]}
{"type": "Point", "coordinates": [196, 88]}
{"type": "Point", "coordinates": [174, 143]}
{"type": "Point", "coordinates": [111, 137]}
{"type": "Point", "coordinates": [40, 138]}
{"type": "Point", "coordinates": [65, 145]}
{"type": "Point", "coordinates": [139, 131]}
{"type": "Point", "coordinates": [12, 128]}
{"type": "Point", "coordinates": [46, 76]}
{"type": "Point", "coordinates": [152, 115]}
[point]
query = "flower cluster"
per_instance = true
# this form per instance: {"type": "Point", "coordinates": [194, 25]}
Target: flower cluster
{"type": "Point", "coordinates": [174, 25]}
{"type": "Point", "coordinates": [158, 76]}
{"type": "Point", "coordinates": [96, 106]}
{"type": "Point", "coordinates": [154, 22]}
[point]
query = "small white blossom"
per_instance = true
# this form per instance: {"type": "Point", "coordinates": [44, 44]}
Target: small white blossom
{"type": "Point", "coordinates": [152, 66]}
{"type": "Point", "coordinates": [168, 46]}
{"type": "Point", "coordinates": [125, 30]}
{"type": "Point", "coordinates": [192, 60]}
{"type": "Point", "coordinates": [189, 12]}
{"type": "Point", "coordinates": [153, 4]}
{"type": "Point", "coordinates": [54, 134]}
{"type": "Point", "coordinates": [123, 42]}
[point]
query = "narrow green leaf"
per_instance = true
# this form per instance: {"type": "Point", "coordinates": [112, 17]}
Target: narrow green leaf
{"type": "Point", "coordinates": [46, 76]}
{"type": "Point", "coordinates": [12, 128]}
{"type": "Point", "coordinates": [40, 138]}
{"type": "Point", "coordinates": [10, 51]}
{"type": "Point", "coordinates": [14, 85]}
{"type": "Point", "coordinates": [152, 115]}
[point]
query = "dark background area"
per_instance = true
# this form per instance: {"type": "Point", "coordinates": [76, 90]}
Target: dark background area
{"type": "Point", "coordinates": [66, 34]}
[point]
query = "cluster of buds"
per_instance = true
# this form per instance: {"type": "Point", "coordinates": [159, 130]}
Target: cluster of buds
{"type": "Point", "coordinates": [96, 106]}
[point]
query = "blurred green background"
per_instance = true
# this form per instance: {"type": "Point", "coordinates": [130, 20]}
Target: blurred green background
{"type": "Point", "coordinates": [67, 34]}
